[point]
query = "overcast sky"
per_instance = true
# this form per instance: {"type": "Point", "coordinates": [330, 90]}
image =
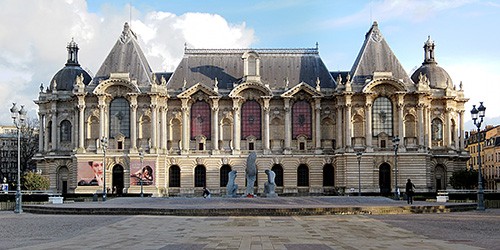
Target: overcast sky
{"type": "Point", "coordinates": [34, 35]}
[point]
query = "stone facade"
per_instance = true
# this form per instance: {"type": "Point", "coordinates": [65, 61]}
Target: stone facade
{"type": "Point", "coordinates": [201, 121]}
{"type": "Point", "coordinates": [490, 155]}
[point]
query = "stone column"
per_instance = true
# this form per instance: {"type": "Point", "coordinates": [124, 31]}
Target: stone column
{"type": "Point", "coordinates": [163, 133]}
{"type": "Point", "coordinates": [447, 128]}
{"type": "Point", "coordinates": [236, 126]}
{"type": "Point", "coordinates": [185, 126]}
{"type": "Point", "coordinates": [340, 139]}
{"type": "Point", "coordinates": [348, 123]}
{"type": "Point", "coordinates": [215, 125]}
{"type": "Point", "coordinates": [288, 127]}
{"type": "Point", "coordinates": [368, 121]}
{"type": "Point", "coordinates": [462, 134]}
{"type": "Point", "coordinates": [133, 123]}
{"type": "Point", "coordinates": [154, 125]}
{"type": "Point", "coordinates": [102, 117]}
{"type": "Point", "coordinates": [401, 127]}
{"type": "Point", "coordinates": [317, 123]}
{"type": "Point", "coordinates": [420, 122]}
{"type": "Point", "coordinates": [267, 148]}
{"type": "Point", "coordinates": [54, 127]}
{"type": "Point", "coordinates": [429, 126]}
{"type": "Point", "coordinates": [81, 128]}
{"type": "Point", "coordinates": [41, 133]}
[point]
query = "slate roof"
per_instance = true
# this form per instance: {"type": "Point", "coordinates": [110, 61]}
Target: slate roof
{"type": "Point", "coordinates": [376, 56]}
{"type": "Point", "coordinates": [126, 57]}
{"type": "Point", "coordinates": [276, 67]}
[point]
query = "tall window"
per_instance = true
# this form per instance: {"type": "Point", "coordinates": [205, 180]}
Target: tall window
{"type": "Point", "coordinates": [65, 131]}
{"type": "Point", "coordinates": [302, 176]}
{"type": "Point", "coordinates": [200, 120]}
{"type": "Point", "coordinates": [174, 176]}
{"type": "Point", "coordinates": [200, 176]}
{"type": "Point", "coordinates": [437, 130]}
{"type": "Point", "coordinates": [301, 119]}
{"type": "Point", "coordinates": [224, 175]}
{"type": "Point", "coordinates": [119, 117]}
{"type": "Point", "coordinates": [382, 116]}
{"type": "Point", "coordinates": [278, 170]}
{"type": "Point", "coordinates": [251, 120]}
{"type": "Point", "coordinates": [49, 131]}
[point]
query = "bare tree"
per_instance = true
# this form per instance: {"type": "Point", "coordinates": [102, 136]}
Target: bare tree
{"type": "Point", "coordinates": [29, 143]}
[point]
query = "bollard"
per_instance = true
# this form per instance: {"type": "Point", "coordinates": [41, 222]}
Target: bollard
{"type": "Point", "coordinates": [94, 198]}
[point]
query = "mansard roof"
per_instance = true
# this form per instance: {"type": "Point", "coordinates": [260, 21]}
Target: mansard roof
{"type": "Point", "coordinates": [376, 56]}
{"type": "Point", "coordinates": [126, 57]}
{"type": "Point", "coordinates": [278, 68]}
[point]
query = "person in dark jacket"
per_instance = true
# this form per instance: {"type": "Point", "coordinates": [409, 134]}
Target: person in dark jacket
{"type": "Point", "coordinates": [410, 191]}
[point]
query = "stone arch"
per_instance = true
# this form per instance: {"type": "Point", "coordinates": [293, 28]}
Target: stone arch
{"type": "Point", "coordinates": [302, 175]}
{"type": "Point", "coordinates": [200, 176]}
{"type": "Point", "coordinates": [410, 126]}
{"type": "Point", "coordinates": [328, 175]}
{"type": "Point", "coordinates": [224, 174]}
{"type": "Point", "coordinates": [118, 180]}
{"type": "Point", "coordinates": [174, 176]}
{"type": "Point", "coordinates": [440, 177]}
{"type": "Point", "coordinates": [62, 179]}
{"type": "Point", "coordinates": [384, 179]}
{"type": "Point", "coordinates": [278, 170]}
{"type": "Point", "coordinates": [175, 134]}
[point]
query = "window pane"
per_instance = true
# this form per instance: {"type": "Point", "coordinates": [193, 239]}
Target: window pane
{"type": "Point", "coordinates": [200, 120]}
{"type": "Point", "coordinates": [301, 119]}
{"type": "Point", "coordinates": [119, 117]}
{"type": "Point", "coordinates": [382, 116]}
{"type": "Point", "coordinates": [250, 120]}
{"type": "Point", "coordinates": [65, 131]}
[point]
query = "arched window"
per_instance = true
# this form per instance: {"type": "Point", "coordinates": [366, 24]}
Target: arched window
{"type": "Point", "coordinates": [119, 117]}
{"type": "Point", "coordinates": [200, 120]}
{"type": "Point", "coordinates": [278, 170]}
{"type": "Point", "coordinates": [65, 131]}
{"type": "Point", "coordinates": [301, 119]}
{"type": "Point", "coordinates": [437, 130]}
{"type": "Point", "coordinates": [302, 176]}
{"type": "Point", "coordinates": [410, 127]}
{"type": "Point", "coordinates": [382, 118]}
{"type": "Point", "coordinates": [200, 176]}
{"type": "Point", "coordinates": [328, 175]}
{"type": "Point", "coordinates": [251, 120]}
{"type": "Point", "coordinates": [224, 175]}
{"type": "Point", "coordinates": [174, 176]}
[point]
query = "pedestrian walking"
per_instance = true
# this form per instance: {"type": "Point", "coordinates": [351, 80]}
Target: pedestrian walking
{"type": "Point", "coordinates": [206, 192]}
{"type": "Point", "coordinates": [410, 191]}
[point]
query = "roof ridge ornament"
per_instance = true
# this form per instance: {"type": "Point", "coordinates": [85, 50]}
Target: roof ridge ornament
{"type": "Point", "coordinates": [127, 34]}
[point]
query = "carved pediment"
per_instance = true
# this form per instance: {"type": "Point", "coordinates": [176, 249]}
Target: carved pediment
{"type": "Point", "coordinates": [301, 87]}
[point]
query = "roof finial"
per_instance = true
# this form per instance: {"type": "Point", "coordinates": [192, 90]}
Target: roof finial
{"type": "Point", "coordinates": [317, 45]}
{"type": "Point", "coordinates": [72, 53]}
{"type": "Point", "coordinates": [429, 51]}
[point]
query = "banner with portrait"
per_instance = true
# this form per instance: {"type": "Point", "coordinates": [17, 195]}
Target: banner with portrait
{"type": "Point", "coordinates": [90, 173]}
{"type": "Point", "coordinates": [142, 172]}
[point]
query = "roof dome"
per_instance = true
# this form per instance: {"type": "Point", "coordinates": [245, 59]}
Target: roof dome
{"type": "Point", "coordinates": [65, 78]}
{"type": "Point", "coordinates": [438, 77]}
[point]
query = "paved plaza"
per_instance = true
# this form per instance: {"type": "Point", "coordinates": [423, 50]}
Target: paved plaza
{"type": "Point", "coordinates": [459, 230]}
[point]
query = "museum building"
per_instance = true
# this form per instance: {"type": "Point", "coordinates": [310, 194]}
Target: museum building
{"type": "Point", "coordinates": [321, 132]}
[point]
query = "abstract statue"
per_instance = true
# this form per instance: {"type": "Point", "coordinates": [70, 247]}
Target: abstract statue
{"type": "Point", "coordinates": [251, 173]}
{"type": "Point", "coordinates": [270, 186]}
{"type": "Point", "coordinates": [231, 187]}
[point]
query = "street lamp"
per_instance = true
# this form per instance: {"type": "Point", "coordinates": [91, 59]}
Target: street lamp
{"type": "Point", "coordinates": [477, 116]}
{"type": "Point", "coordinates": [395, 142]}
{"type": "Point", "coordinates": [19, 118]}
{"type": "Point", "coordinates": [141, 156]}
{"type": "Point", "coordinates": [358, 156]}
{"type": "Point", "coordinates": [104, 145]}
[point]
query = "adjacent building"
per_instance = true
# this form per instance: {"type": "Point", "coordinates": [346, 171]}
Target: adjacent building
{"type": "Point", "coordinates": [183, 130]}
{"type": "Point", "coordinates": [489, 140]}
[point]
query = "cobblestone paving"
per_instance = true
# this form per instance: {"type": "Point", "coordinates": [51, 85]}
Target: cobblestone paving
{"type": "Point", "coordinates": [412, 231]}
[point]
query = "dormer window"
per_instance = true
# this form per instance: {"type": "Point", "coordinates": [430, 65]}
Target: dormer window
{"type": "Point", "coordinates": [251, 62]}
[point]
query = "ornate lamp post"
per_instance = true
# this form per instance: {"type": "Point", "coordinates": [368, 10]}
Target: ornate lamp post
{"type": "Point", "coordinates": [141, 156]}
{"type": "Point", "coordinates": [358, 156]}
{"type": "Point", "coordinates": [19, 119]}
{"type": "Point", "coordinates": [104, 145]}
{"type": "Point", "coordinates": [395, 142]}
{"type": "Point", "coordinates": [477, 116]}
